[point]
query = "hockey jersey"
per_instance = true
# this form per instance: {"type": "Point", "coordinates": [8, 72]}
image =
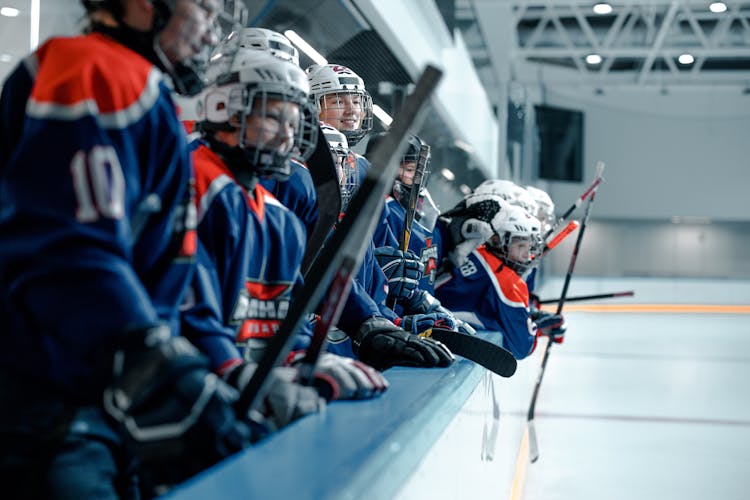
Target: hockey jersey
{"type": "Point", "coordinates": [297, 194]}
{"type": "Point", "coordinates": [96, 210]}
{"type": "Point", "coordinates": [249, 264]}
{"type": "Point", "coordinates": [489, 295]}
{"type": "Point", "coordinates": [423, 242]}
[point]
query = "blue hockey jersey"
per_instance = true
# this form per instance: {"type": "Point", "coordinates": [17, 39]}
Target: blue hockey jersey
{"type": "Point", "coordinates": [489, 295]}
{"type": "Point", "coordinates": [254, 247]}
{"type": "Point", "coordinates": [96, 211]}
{"type": "Point", "coordinates": [297, 194]}
{"type": "Point", "coordinates": [423, 242]}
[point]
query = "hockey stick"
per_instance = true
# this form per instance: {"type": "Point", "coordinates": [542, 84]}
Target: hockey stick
{"type": "Point", "coordinates": [480, 351]}
{"type": "Point", "coordinates": [328, 190]}
{"type": "Point", "coordinates": [579, 298]}
{"type": "Point", "coordinates": [533, 445]}
{"type": "Point", "coordinates": [572, 226]}
{"type": "Point", "coordinates": [343, 253]}
{"type": "Point", "coordinates": [589, 191]}
{"type": "Point", "coordinates": [416, 186]}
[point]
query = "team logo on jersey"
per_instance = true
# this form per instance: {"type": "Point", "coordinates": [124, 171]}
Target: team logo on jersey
{"type": "Point", "coordinates": [428, 255]}
{"type": "Point", "coordinates": [467, 268]}
{"type": "Point", "coordinates": [260, 308]}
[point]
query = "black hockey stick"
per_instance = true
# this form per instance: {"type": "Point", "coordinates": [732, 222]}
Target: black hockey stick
{"type": "Point", "coordinates": [580, 298]}
{"type": "Point", "coordinates": [480, 351]}
{"type": "Point", "coordinates": [422, 161]}
{"type": "Point", "coordinates": [589, 191]}
{"type": "Point", "coordinates": [345, 249]}
{"type": "Point", "coordinates": [533, 445]}
{"type": "Point", "coordinates": [328, 190]}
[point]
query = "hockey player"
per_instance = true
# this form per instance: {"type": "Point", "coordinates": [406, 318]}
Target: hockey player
{"type": "Point", "coordinates": [499, 298]}
{"type": "Point", "coordinates": [417, 307]}
{"type": "Point", "coordinates": [97, 224]}
{"type": "Point", "coordinates": [514, 194]}
{"type": "Point", "coordinates": [253, 117]}
{"type": "Point", "coordinates": [341, 100]}
{"type": "Point", "coordinates": [369, 291]}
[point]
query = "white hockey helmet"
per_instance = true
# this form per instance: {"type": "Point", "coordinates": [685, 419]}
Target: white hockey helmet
{"type": "Point", "coordinates": [545, 207]}
{"type": "Point", "coordinates": [261, 39]}
{"type": "Point", "coordinates": [241, 83]}
{"type": "Point", "coordinates": [510, 192]}
{"type": "Point", "coordinates": [339, 81]}
{"type": "Point", "coordinates": [516, 239]}
{"type": "Point", "coordinates": [346, 168]}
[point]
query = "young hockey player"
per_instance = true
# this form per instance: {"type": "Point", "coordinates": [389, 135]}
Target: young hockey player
{"type": "Point", "coordinates": [97, 223]}
{"type": "Point", "coordinates": [487, 289]}
{"type": "Point", "coordinates": [424, 243]}
{"type": "Point", "coordinates": [370, 277]}
{"type": "Point", "coordinates": [253, 117]}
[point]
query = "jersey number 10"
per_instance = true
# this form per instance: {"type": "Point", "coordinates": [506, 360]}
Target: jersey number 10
{"type": "Point", "coordinates": [99, 184]}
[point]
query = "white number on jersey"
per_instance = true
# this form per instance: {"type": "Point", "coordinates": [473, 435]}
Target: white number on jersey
{"type": "Point", "coordinates": [99, 184]}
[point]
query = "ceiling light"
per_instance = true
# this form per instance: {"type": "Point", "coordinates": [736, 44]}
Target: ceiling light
{"type": "Point", "coordinates": [602, 8]}
{"type": "Point", "coordinates": [686, 59]}
{"type": "Point", "coordinates": [305, 47]}
{"type": "Point", "coordinates": [9, 12]}
{"type": "Point", "coordinates": [718, 7]}
{"type": "Point", "coordinates": [449, 176]}
{"type": "Point", "coordinates": [593, 59]}
{"type": "Point", "coordinates": [465, 190]}
{"type": "Point", "coordinates": [381, 115]}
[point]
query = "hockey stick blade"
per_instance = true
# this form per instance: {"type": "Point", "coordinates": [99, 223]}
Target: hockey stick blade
{"type": "Point", "coordinates": [346, 246]}
{"type": "Point", "coordinates": [480, 351]}
{"type": "Point", "coordinates": [328, 190]}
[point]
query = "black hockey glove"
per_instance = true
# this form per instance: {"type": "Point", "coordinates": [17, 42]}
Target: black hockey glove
{"type": "Point", "coordinates": [285, 401]}
{"type": "Point", "coordinates": [403, 270]}
{"type": "Point", "coordinates": [381, 344]}
{"type": "Point", "coordinates": [178, 415]}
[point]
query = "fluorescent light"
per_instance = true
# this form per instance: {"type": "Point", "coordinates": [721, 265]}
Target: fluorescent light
{"type": "Point", "coordinates": [718, 7]}
{"type": "Point", "coordinates": [6, 58]}
{"type": "Point", "coordinates": [381, 115]}
{"type": "Point", "coordinates": [34, 27]}
{"type": "Point", "coordinates": [449, 176]}
{"type": "Point", "coordinates": [9, 12]}
{"type": "Point", "coordinates": [465, 146]}
{"type": "Point", "coordinates": [593, 59]}
{"type": "Point", "coordinates": [305, 47]}
{"type": "Point", "coordinates": [686, 59]}
{"type": "Point", "coordinates": [602, 8]}
{"type": "Point", "coordinates": [465, 190]}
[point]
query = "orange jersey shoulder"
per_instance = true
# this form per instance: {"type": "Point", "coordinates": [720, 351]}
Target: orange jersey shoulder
{"type": "Point", "coordinates": [91, 69]}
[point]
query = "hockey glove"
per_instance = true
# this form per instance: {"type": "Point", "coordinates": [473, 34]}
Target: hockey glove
{"type": "Point", "coordinates": [422, 302]}
{"type": "Point", "coordinates": [419, 323]}
{"type": "Point", "coordinates": [178, 416]}
{"type": "Point", "coordinates": [470, 226]}
{"type": "Point", "coordinates": [354, 379]}
{"type": "Point", "coordinates": [381, 344]}
{"type": "Point", "coordinates": [285, 401]}
{"type": "Point", "coordinates": [402, 269]}
{"type": "Point", "coordinates": [552, 325]}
